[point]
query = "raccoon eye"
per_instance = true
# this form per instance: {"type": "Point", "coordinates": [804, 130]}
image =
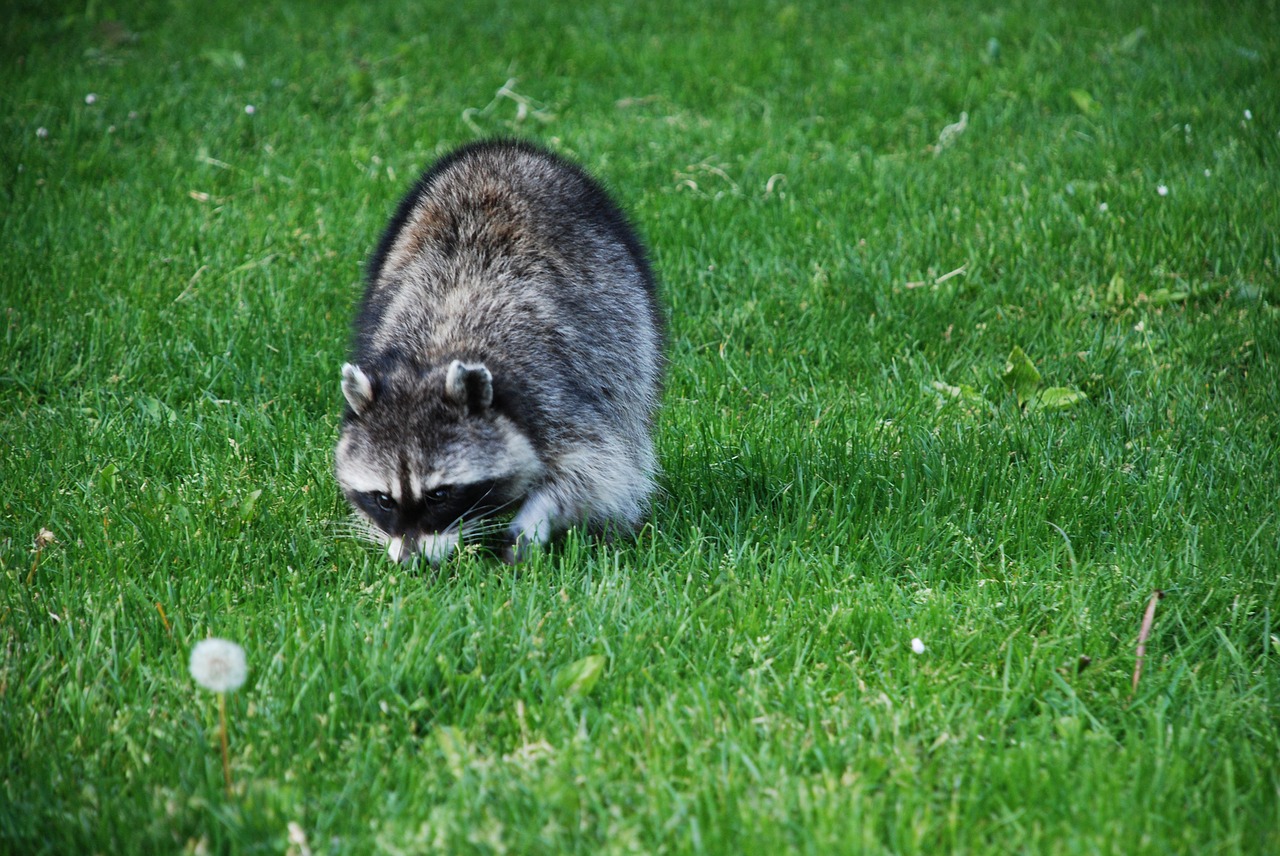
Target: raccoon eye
{"type": "Point", "coordinates": [440, 494]}
{"type": "Point", "coordinates": [384, 501]}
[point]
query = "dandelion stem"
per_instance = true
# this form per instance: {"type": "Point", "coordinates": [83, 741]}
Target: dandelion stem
{"type": "Point", "coordinates": [164, 619]}
{"type": "Point", "coordinates": [222, 723]}
{"type": "Point", "coordinates": [34, 564]}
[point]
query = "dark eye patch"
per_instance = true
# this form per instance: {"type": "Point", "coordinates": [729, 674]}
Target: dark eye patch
{"type": "Point", "coordinates": [440, 508]}
{"type": "Point", "coordinates": [441, 494]}
{"type": "Point", "coordinates": [435, 511]}
{"type": "Point", "coordinates": [382, 509]}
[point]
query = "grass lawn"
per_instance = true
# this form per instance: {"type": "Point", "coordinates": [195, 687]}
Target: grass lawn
{"type": "Point", "coordinates": [858, 212]}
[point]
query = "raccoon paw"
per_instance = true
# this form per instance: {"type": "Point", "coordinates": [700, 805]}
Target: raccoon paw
{"type": "Point", "coordinates": [532, 525]}
{"type": "Point", "coordinates": [518, 545]}
{"type": "Point", "coordinates": [516, 552]}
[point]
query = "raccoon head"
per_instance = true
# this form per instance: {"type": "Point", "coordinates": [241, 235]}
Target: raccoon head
{"type": "Point", "coordinates": [422, 453]}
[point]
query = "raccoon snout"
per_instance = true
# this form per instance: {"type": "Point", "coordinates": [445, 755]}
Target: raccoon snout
{"type": "Point", "coordinates": [435, 548]}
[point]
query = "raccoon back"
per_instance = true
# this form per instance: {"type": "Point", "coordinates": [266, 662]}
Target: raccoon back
{"type": "Point", "coordinates": [507, 255]}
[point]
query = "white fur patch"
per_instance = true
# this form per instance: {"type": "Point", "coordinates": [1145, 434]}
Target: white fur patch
{"type": "Point", "coordinates": [462, 380]}
{"type": "Point", "coordinates": [457, 468]}
{"type": "Point", "coordinates": [437, 548]}
{"type": "Point", "coordinates": [534, 522]}
{"type": "Point", "coordinates": [461, 472]}
{"type": "Point", "coordinates": [356, 388]}
{"type": "Point", "coordinates": [620, 488]}
{"type": "Point", "coordinates": [354, 475]}
{"type": "Point", "coordinates": [434, 548]}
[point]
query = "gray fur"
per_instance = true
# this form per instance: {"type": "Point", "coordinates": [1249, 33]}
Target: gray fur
{"type": "Point", "coordinates": [508, 347]}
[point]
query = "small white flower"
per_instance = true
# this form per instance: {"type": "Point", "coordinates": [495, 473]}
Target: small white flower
{"type": "Point", "coordinates": [90, 98]}
{"type": "Point", "coordinates": [219, 665]}
{"type": "Point", "coordinates": [42, 132]}
{"type": "Point", "coordinates": [1207, 173]}
{"type": "Point", "coordinates": [298, 839]}
{"type": "Point", "coordinates": [917, 645]}
{"type": "Point", "coordinates": [249, 109]}
{"type": "Point", "coordinates": [1162, 189]}
{"type": "Point", "coordinates": [1102, 206]}
{"type": "Point", "coordinates": [1248, 115]}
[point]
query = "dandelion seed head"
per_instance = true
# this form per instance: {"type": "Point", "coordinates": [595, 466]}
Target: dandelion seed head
{"type": "Point", "coordinates": [1102, 206]}
{"type": "Point", "coordinates": [42, 132]}
{"type": "Point", "coordinates": [917, 645]}
{"type": "Point", "coordinates": [1162, 189]}
{"type": "Point", "coordinates": [1207, 173]}
{"type": "Point", "coordinates": [249, 109]}
{"type": "Point", "coordinates": [90, 98]}
{"type": "Point", "coordinates": [298, 838]}
{"type": "Point", "coordinates": [219, 665]}
{"type": "Point", "coordinates": [1248, 115]}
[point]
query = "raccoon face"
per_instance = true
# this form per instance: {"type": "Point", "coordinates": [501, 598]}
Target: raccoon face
{"type": "Point", "coordinates": [420, 455]}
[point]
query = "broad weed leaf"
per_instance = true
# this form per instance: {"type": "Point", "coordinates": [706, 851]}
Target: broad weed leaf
{"type": "Point", "coordinates": [248, 505]}
{"type": "Point", "coordinates": [963, 392]}
{"type": "Point", "coordinates": [1020, 375]}
{"type": "Point", "coordinates": [1085, 102]}
{"type": "Point", "coordinates": [1056, 398]}
{"type": "Point", "coordinates": [1166, 296]}
{"type": "Point", "coordinates": [579, 677]}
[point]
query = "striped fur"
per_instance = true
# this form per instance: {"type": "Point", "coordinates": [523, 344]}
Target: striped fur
{"type": "Point", "coordinates": [507, 360]}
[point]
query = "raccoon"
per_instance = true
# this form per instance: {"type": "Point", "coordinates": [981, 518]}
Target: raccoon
{"type": "Point", "coordinates": [507, 358]}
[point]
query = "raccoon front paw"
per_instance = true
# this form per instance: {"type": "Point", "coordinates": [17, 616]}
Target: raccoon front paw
{"type": "Point", "coordinates": [516, 552]}
{"type": "Point", "coordinates": [532, 525]}
{"type": "Point", "coordinates": [518, 547]}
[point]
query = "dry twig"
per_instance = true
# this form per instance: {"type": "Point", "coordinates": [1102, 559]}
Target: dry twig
{"type": "Point", "coordinates": [1144, 634]}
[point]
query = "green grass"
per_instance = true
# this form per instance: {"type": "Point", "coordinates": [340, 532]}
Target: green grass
{"type": "Point", "coordinates": [177, 279]}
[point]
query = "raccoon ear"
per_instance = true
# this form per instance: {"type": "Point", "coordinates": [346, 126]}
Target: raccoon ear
{"type": "Point", "coordinates": [469, 384]}
{"type": "Point", "coordinates": [357, 388]}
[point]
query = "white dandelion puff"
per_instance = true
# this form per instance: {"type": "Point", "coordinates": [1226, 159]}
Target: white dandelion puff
{"type": "Point", "coordinates": [90, 98]}
{"type": "Point", "coordinates": [219, 665]}
{"type": "Point", "coordinates": [42, 133]}
{"type": "Point", "coordinates": [249, 109]}
{"type": "Point", "coordinates": [917, 645]}
{"type": "Point", "coordinates": [1162, 189]}
{"type": "Point", "coordinates": [1102, 206]}
{"type": "Point", "coordinates": [1207, 173]}
{"type": "Point", "coordinates": [1248, 115]}
{"type": "Point", "coordinates": [298, 839]}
